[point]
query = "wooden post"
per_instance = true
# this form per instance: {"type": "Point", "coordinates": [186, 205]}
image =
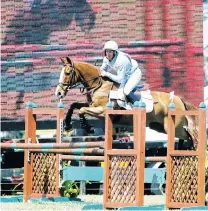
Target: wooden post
{"type": "Point", "coordinates": [30, 137]}
{"type": "Point", "coordinates": [202, 155]}
{"type": "Point", "coordinates": [108, 146]}
{"type": "Point", "coordinates": [170, 148]}
{"type": "Point", "coordinates": [139, 128]}
{"type": "Point", "coordinates": [59, 137]}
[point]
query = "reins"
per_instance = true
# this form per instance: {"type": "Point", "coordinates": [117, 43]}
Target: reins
{"type": "Point", "coordinates": [90, 90]}
{"type": "Point", "coordinates": [71, 84]}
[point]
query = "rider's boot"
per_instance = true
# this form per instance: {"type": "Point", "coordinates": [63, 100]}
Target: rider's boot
{"type": "Point", "coordinates": [138, 87]}
{"type": "Point", "coordinates": [132, 97]}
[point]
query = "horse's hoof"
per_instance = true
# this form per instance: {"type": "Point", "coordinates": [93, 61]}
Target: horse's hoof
{"type": "Point", "coordinates": [68, 127]}
{"type": "Point", "coordinates": [68, 131]}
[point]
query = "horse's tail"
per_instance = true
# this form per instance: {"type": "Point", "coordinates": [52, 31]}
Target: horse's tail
{"type": "Point", "coordinates": [193, 122]}
{"type": "Point", "coordinates": [188, 106]}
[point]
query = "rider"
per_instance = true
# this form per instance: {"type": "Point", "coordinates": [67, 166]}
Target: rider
{"type": "Point", "coordinates": [125, 69]}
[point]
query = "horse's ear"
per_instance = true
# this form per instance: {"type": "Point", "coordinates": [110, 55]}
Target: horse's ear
{"type": "Point", "coordinates": [69, 61]}
{"type": "Point", "coordinates": [63, 60]}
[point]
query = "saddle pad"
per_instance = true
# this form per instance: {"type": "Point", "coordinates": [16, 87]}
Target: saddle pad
{"type": "Point", "coordinates": [148, 100]}
{"type": "Point", "coordinates": [146, 97]}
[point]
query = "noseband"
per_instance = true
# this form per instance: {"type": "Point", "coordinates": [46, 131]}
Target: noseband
{"type": "Point", "coordinates": [70, 83]}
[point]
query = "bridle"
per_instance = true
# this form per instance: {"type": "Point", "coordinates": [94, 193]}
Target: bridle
{"type": "Point", "coordinates": [72, 83]}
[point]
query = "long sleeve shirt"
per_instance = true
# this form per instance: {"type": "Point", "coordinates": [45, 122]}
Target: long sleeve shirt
{"type": "Point", "coordinates": [122, 65]}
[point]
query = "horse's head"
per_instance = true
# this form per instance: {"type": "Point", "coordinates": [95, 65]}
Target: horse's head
{"type": "Point", "coordinates": [74, 74]}
{"type": "Point", "coordinates": [68, 78]}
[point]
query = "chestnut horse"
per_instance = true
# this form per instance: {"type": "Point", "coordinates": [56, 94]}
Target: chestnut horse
{"type": "Point", "coordinates": [98, 88]}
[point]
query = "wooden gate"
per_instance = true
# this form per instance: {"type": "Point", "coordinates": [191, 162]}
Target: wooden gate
{"type": "Point", "coordinates": [124, 168]}
{"type": "Point", "coordinates": [41, 170]}
{"type": "Point", "coordinates": [185, 184]}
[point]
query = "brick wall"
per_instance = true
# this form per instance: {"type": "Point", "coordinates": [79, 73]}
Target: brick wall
{"type": "Point", "coordinates": [164, 36]}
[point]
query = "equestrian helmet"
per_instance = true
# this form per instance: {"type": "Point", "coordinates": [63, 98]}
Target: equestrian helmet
{"type": "Point", "coordinates": [111, 45]}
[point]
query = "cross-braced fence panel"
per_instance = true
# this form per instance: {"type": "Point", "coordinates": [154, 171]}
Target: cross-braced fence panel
{"type": "Point", "coordinates": [44, 173]}
{"type": "Point", "coordinates": [122, 179]}
{"type": "Point", "coordinates": [184, 179]}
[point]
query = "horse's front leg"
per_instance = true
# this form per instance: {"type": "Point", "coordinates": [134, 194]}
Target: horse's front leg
{"type": "Point", "coordinates": [76, 105]}
{"type": "Point", "coordinates": [92, 111]}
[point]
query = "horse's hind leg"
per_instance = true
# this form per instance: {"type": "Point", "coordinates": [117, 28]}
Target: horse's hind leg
{"type": "Point", "coordinates": [180, 141]}
{"type": "Point", "coordinates": [190, 142]}
{"type": "Point", "coordinates": [67, 121]}
{"type": "Point", "coordinates": [181, 133]}
{"type": "Point", "coordinates": [180, 144]}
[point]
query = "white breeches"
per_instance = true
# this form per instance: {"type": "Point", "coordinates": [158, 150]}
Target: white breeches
{"type": "Point", "coordinates": [133, 81]}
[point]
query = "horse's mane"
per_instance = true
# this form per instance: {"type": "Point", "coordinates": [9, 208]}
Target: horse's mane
{"type": "Point", "coordinates": [104, 79]}
{"type": "Point", "coordinates": [88, 64]}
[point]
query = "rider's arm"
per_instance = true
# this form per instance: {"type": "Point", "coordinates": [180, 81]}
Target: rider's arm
{"type": "Point", "coordinates": [104, 65]}
{"type": "Point", "coordinates": [121, 70]}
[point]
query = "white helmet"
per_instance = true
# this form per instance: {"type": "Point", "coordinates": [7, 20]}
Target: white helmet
{"type": "Point", "coordinates": [111, 45]}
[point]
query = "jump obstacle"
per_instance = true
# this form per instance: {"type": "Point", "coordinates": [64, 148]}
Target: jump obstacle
{"type": "Point", "coordinates": [123, 185]}
{"type": "Point", "coordinates": [185, 169]}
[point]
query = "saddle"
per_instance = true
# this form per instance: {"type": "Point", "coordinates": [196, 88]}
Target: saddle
{"type": "Point", "coordinates": [142, 93]}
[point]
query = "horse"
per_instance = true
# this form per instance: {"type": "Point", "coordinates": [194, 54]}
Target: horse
{"type": "Point", "coordinates": [98, 89]}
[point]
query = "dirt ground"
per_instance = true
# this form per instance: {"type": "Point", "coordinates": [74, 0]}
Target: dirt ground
{"type": "Point", "coordinates": [67, 206]}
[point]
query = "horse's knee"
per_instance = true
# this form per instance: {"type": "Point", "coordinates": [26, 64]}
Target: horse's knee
{"type": "Point", "coordinates": [73, 106]}
{"type": "Point", "coordinates": [82, 110]}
